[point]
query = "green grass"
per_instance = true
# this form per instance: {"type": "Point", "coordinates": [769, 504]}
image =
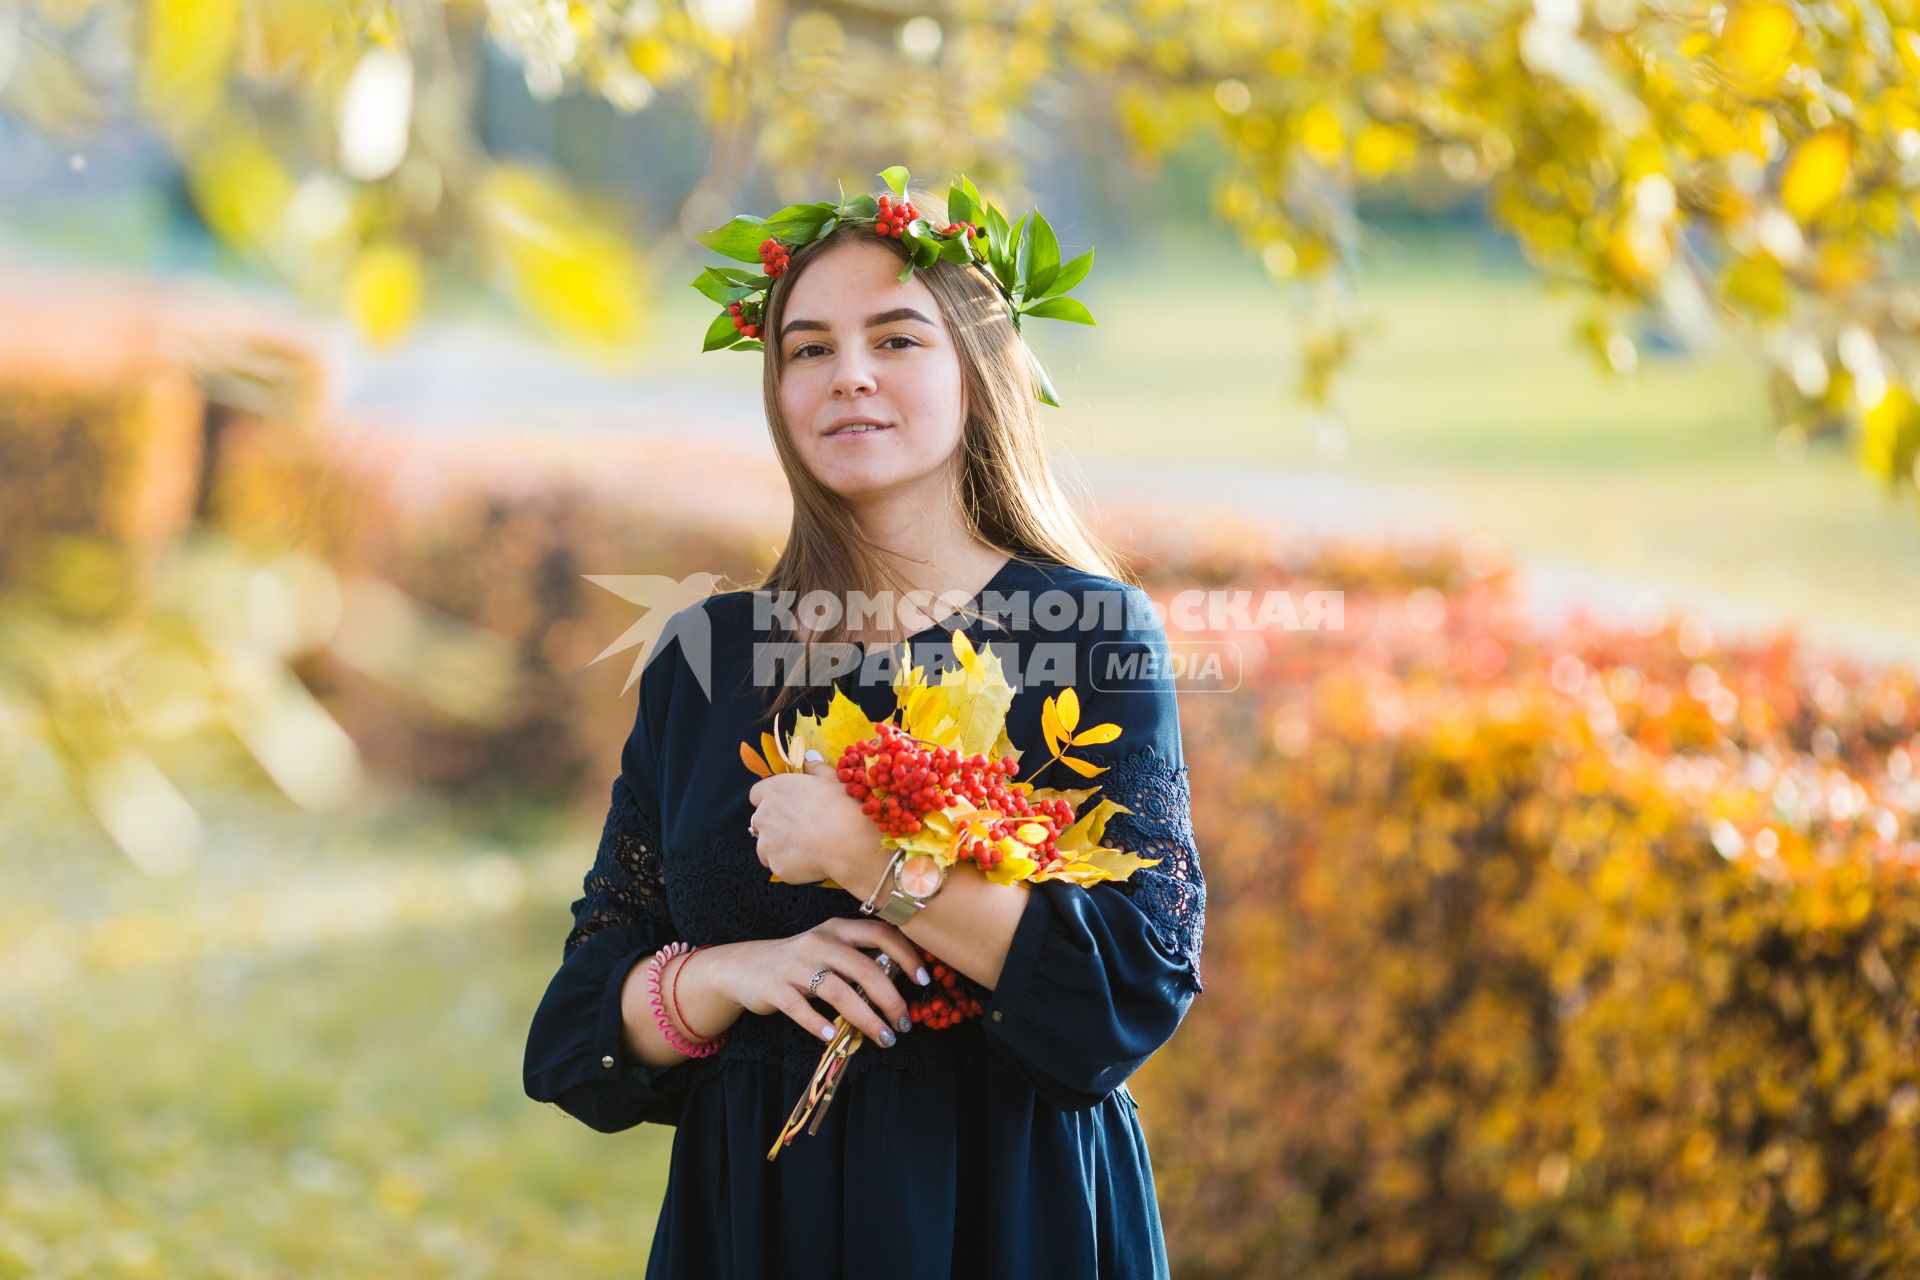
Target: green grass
{"type": "Point", "coordinates": [344, 1109]}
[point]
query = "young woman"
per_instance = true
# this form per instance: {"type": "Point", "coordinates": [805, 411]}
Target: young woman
{"type": "Point", "coordinates": [1005, 1145]}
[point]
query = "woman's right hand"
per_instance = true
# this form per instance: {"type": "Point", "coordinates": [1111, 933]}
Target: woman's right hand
{"type": "Point", "coordinates": [772, 977]}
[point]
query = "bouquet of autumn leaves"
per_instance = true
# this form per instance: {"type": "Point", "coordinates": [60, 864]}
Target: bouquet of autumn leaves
{"type": "Point", "coordinates": [937, 777]}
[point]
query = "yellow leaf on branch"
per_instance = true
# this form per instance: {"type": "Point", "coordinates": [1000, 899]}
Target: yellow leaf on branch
{"type": "Point", "coordinates": [581, 277]}
{"type": "Point", "coordinates": [383, 291]}
{"type": "Point", "coordinates": [1756, 44]}
{"type": "Point", "coordinates": [1084, 768]}
{"type": "Point", "coordinates": [1817, 172]}
{"type": "Point", "coordinates": [188, 49]}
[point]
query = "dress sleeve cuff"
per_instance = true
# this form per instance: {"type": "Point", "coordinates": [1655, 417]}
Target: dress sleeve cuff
{"type": "Point", "coordinates": [1086, 994]}
{"type": "Point", "coordinates": [615, 1060]}
{"type": "Point", "coordinates": [1022, 954]}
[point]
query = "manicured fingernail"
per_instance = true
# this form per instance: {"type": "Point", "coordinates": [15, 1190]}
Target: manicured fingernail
{"type": "Point", "coordinates": [826, 1033]}
{"type": "Point", "coordinates": [922, 977]}
{"type": "Point", "coordinates": [887, 1038]}
{"type": "Point", "coordinates": [905, 1023]}
{"type": "Point", "coordinates": [813, 755]}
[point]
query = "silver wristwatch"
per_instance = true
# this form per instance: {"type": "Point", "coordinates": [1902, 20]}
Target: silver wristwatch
{"type": "Point", "coordinates": [906, 886]}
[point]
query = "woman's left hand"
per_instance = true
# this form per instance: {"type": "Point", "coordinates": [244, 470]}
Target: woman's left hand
{"type": "Point", "coordinates": [809, 829]}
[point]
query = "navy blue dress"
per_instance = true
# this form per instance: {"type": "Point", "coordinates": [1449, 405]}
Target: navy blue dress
{"type": "Point", "coordinates": [1006, 1146]}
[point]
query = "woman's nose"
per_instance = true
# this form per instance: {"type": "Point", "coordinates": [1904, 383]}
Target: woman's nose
{"type": "Point", "coordinates": [852, 373]}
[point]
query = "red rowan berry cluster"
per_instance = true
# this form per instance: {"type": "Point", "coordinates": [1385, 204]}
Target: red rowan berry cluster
{"type": "Point", "coordinates": [899, 781]}
{"type": "Point", "coordinates": [893, 218]}
{"type": "Point", "coordinates": [946, 1002]}
{"type": "Point", "coordinates": [973, 229]}
{"type": "Point", "coordinates": [774, 258]}
{"type": "Point", "coordinates": [746, 317]}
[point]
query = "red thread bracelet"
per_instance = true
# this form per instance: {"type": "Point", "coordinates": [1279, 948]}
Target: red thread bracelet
{"type": "Point", "coordinates": [673, 995]}
{"type": "Point", "coordinates": [667, 1029]}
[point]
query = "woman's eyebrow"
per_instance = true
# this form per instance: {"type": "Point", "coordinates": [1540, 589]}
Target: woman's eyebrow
{"type": "Point", "coordinates": [873, 321]}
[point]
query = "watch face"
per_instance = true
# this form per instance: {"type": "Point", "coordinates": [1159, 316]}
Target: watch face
{"type": "Point", "coordinates": [920, 875]}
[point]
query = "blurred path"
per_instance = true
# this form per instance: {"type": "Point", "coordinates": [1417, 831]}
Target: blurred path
{"type": "Point", "coordinates": [467, 379]}
{"type": "Point", "coordinates": [1553, 587]}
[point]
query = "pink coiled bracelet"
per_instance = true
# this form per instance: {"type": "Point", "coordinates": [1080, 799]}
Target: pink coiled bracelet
{"type": "Point", "coordinates": [654, 966]}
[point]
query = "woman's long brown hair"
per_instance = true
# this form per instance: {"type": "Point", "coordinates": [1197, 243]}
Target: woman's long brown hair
{"type": "Point", "coordinates": [1004, 486]}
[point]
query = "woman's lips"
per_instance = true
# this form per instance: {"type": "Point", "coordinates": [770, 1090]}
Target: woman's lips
{"type": "Point", "coordinates": [857, 435]}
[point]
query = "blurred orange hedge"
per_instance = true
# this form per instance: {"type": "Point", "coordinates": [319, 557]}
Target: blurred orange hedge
{"type": "Point", "coordinates": [1580, 954]}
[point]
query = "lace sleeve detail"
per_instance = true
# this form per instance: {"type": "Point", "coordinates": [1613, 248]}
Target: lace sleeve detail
{"type": "Point", "coordinates": [625, 884]}
{"type": "Point", "coordinates": [1173, 895]}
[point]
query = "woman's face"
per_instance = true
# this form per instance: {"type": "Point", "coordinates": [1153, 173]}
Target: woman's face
{"type": "Point", "coordinates": [858, 343]}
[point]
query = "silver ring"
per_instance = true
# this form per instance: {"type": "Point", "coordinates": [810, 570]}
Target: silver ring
{"type": "Point", "coordinates": [813, 988]}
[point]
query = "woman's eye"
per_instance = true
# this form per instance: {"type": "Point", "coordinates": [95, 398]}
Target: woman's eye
{"type": "Point", "coordinates": [800, 352]}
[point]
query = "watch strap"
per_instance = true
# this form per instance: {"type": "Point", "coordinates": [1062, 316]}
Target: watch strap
{"type": "Point", "coordinates": [886, 886]}
{"type": "Point", "coordinates": [900, 908]}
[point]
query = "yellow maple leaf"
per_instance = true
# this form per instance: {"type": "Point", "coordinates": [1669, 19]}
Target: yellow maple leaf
{"type": "Point", "coordinates": [844, 724]}
{"type": "Point", "coordinates": [908, 677]}
{"type": "Point", "coordinates": [978, 696]}
{"type": "Point", "coordinates": [1047, 795]}
{"type": "Point", "coordinates": [935, 837]}
{"type": "Point", "coordinates": [1012, 867]}
{"type": "Point", "coordinates": [926, 716]}
{"type": "Point", "coordinates": [1098, 866]}
{"type": "Point", "coordinates": [1084, 836]}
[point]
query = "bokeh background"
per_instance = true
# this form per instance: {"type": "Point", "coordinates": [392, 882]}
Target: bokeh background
{"type": "Point", "coordinates": [1563, 918]}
